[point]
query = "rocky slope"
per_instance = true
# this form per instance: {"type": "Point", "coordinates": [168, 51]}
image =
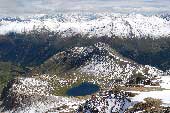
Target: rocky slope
{"type": "Point", "coordinates": [33, 95]}
{"type": "Point", "coordinates": [106, 102]}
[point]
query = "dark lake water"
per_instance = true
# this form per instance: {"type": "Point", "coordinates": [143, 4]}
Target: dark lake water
{"type": "Point", "coordinates": [83, 89]}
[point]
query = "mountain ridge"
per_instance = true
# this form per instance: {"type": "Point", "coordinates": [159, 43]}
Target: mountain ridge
{"type": "Point", "coordinates": [98, 60]}
{"type": "Point", "coordinates": [125, 26]}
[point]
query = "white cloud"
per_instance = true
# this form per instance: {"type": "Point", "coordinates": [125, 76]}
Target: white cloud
{"type": "Point", "coordinates": [20, 7]}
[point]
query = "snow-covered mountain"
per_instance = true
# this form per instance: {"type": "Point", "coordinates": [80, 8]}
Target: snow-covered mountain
{"type": "Point", "coordinates": [132, 25]}
{"type": "Point", "coordinates": [165, 16]}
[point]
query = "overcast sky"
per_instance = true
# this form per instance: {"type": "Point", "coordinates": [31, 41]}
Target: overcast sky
{"type": "Point", "coordinates": [27, 7]}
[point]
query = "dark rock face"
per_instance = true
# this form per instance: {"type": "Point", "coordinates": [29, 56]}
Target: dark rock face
{"type": "Point", "coordinates": [8, 98]}
{"type": "Point", "coordinates": [11, 100]}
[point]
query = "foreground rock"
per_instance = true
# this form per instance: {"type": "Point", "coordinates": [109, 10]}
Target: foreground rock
{"type": "Point", "coordinates": [106, 102]}
{"type": "Point", "coordinates": [34, 95]}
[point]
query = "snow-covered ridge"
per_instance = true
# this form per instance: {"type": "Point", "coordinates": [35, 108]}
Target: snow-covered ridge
{"type": "Point", "coordinates": [100, 60]}
{"type": "Point", "coordinates": [133, 25]}
{"type": "Point", "coordinates": [109, 62]}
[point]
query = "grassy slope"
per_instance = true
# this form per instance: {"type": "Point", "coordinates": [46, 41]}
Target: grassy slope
{"type": "Point", "coordinates": [7, 72]}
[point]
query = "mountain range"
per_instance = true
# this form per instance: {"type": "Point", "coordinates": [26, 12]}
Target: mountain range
{"type": "Point", "coordinates": [46, 56]}
{"type": "Point", "coordinates": [125, 26]}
